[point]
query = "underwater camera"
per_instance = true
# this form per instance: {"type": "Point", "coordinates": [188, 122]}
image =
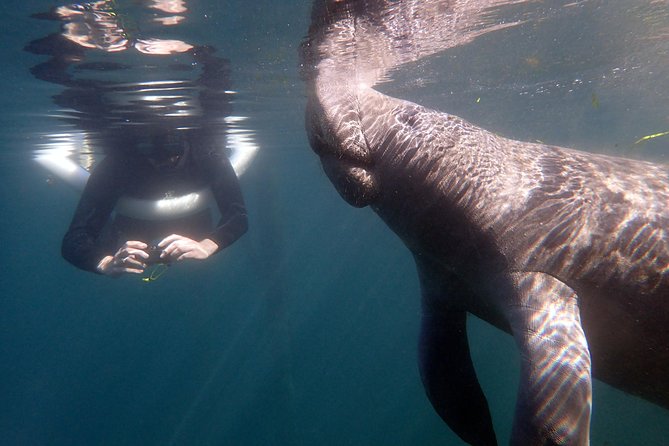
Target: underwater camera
{"type": "Point", "coordinates": [154, 256]}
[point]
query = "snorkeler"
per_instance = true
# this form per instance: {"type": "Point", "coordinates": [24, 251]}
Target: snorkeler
{"type": "Point", "coordinates": [149, 205]}
{"type": "Point", "coordinates": [158, 110]}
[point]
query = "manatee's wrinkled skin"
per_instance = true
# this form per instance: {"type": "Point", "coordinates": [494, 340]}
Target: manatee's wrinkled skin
{"type": "Point", "coordinates": [566, 250]}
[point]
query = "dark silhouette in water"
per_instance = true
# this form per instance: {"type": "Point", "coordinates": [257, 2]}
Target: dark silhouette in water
{"type": "Point", "coordinates": [568, 251]}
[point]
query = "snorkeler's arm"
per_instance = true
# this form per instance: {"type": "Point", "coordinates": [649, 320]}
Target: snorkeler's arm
{"type": "Point", "coordinates": [81, 245]}
{"type": "Point", "coordinates": [227, 192]}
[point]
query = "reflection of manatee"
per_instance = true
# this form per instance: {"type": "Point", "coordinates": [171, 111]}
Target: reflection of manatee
{"type": "Point", "coordinates": [543, 242]}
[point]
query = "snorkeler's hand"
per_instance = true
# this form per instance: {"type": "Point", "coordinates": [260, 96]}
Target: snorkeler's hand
{"type": "Point", "coordinates": [177, 247]}
{"type": "Point", "coordinates": [128, 259]}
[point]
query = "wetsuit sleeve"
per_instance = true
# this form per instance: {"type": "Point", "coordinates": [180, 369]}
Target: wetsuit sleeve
{"type": "Point", "coordinates": [82, 244]}
{"type": "Point", "coordinates": [227, 192]}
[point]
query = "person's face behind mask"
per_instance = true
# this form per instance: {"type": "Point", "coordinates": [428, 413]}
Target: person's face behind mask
{"type": "Point", "coordinates": [165, 151]}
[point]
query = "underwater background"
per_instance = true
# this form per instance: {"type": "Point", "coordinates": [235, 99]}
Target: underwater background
{"type": "Point", "coordinates": [304, 331]}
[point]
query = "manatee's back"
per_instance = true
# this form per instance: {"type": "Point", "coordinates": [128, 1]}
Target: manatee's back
{"type": "Point", "coordinates": [601, 225]}
{"type": "Point", "coordinates": [598, 223]}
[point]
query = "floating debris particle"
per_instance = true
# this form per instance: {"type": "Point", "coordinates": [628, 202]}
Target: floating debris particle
{"type": "Point", "coordinates": [654, 135]}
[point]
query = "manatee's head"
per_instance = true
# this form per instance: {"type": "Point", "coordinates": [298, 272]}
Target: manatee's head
{"type": "Point", "coordinates": [335, 134]}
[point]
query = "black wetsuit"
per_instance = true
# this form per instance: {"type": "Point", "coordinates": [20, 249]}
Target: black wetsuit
{"type": "Point", "coordinates": [96, 231]}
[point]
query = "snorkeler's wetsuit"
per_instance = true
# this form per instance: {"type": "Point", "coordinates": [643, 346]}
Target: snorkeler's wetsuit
{"type": "Point", "coordinates": [96, 231]}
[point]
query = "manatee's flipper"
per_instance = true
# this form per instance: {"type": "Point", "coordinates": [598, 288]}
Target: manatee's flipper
{"type": "Point", "coordinates": [449, 378]}
{"type": "Point", "coordinates": [555, 391]}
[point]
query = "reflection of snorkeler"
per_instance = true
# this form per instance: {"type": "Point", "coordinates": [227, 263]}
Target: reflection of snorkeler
{"type": "Point", "coordinates": [172, 168]}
